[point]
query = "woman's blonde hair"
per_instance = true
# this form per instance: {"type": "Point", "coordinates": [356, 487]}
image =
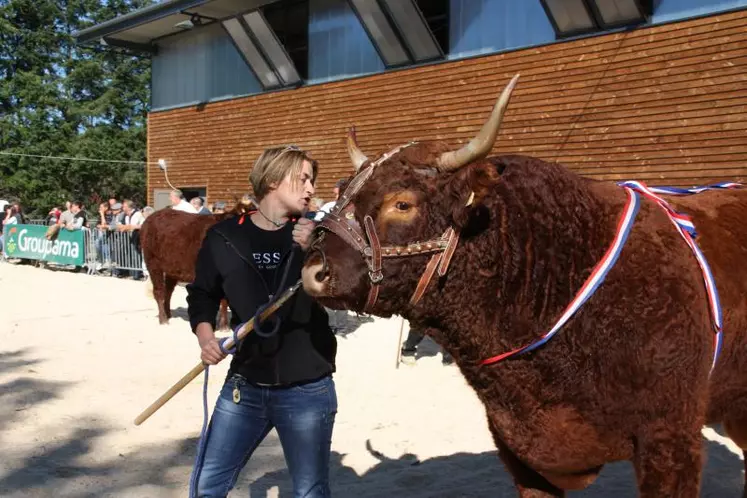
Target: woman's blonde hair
{"type": "Point", "coordinates": [274, 164]}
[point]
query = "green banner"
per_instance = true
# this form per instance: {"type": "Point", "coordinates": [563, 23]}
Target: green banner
{"type": "Point", "coordinates": [29, 242]}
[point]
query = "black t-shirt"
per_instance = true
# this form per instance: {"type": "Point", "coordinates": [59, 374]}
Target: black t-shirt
{"type": "Point", "coordinates": [268, 247]}
{"type": "Point", "coordinates": [81, 214]}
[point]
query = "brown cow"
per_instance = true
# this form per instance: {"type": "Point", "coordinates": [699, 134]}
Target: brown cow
{"type": "Point", "coordinates": [627, 378]}
{"type": "Point", "coordinates": [170, 241]}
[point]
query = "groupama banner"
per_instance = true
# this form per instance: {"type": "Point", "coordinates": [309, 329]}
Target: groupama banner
{"type": "Point", "coordinates": [29, 242]}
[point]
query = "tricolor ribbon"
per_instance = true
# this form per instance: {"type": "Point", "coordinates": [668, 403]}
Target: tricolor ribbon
{"type": "Point", "coordinates": [686, 229]}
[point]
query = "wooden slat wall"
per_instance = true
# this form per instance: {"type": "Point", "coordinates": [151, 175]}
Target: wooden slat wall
{"type": "Point", "coordinates": [665, 104]}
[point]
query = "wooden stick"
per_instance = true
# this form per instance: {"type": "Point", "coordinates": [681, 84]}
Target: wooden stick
{"type": "Point", "coordinates": [243, 332]}
{"type": "Point", "coordinates": [399, 343]}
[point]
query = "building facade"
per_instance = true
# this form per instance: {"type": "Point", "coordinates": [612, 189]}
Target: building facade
{"type": "Point", "coordinates": [625, 89]}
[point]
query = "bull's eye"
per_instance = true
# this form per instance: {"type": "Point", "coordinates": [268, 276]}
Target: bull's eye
{"type": "Point", "coordinates": [403, 206]}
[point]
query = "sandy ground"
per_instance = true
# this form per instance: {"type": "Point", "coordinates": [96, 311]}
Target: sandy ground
{"type": "Point", "coordinates": [81, 356]}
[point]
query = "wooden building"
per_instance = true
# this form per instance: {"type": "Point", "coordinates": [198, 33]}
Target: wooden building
{"type": "Point", "coordinates": [630, 89]}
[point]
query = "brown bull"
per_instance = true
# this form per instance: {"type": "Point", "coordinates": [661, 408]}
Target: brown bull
{"type": "Point", "coordinates": [627, 378]}
{"type": "Point", "coordinates": [170, 242]}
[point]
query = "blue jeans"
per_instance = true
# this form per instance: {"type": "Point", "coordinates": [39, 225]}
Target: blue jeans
{"type": "Point", "coordinates": [303, 417]}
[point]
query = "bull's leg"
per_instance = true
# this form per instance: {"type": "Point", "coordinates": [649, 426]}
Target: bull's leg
{"type": "Point", "coordinates": [668, 461]}
{"type": "Point", "coordinates": [528, 482]}
{"type": "Point", "coordinates": [170, 284]}
{"type": "Point", "coordinates": [159, 292]}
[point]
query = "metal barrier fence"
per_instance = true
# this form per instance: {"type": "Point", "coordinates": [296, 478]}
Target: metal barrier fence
{"type": "Point", "coordinates": [114, 251]}
{"type": "Point", "coordinates": [104, 251]}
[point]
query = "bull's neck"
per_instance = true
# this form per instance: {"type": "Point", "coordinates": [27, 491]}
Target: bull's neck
{"type": "Point", "coordinates": [508, 285]}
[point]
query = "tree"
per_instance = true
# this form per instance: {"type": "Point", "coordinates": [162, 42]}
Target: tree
{"type": "Point", "coordinates": [61, 99]}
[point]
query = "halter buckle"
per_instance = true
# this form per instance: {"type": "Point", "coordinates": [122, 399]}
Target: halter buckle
{"type": "Point", "coordinates": [375, 276]}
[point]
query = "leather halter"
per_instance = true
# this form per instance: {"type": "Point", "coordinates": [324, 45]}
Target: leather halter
{"type": "Point", "coordinates": [341, 221]}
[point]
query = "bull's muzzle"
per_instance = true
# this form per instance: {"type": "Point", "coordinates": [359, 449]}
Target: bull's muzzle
{"type": "Point", "coordinates": [315, 278]}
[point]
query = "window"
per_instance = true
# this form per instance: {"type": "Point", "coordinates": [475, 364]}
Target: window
{"type": "Point", "coordinates": [290, 22]}
{"type": "Point", "coordinates": [573, 17]}
{"type": "Point", "coordinates": [251, 53]}
{"type": "Point", "coordinates": [338, 44]}
{"type": "Point", "coordinates": [413, 29]}
{"type": "Point", "coordinates": [436, 14]}
{"type": "Point", "coordinates": [381, 32]}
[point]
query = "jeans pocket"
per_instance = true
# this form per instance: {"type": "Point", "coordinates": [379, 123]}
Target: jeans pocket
{"type": "Point", "coordinates": [316, 387]}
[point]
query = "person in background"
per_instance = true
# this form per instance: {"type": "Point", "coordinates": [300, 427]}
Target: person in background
{"type": "Point", "coordinates": [199, 204]}
{"type": "Point", "coordinates": [219, 207]}
{"type": "Point", "coordinates": [133, 220]}
{"type": "Point", "coordinates": [147, 211]}
{"type": "Point", "coordinates": [10, 218]}
{"type": "Point", "coordinates": [410, 348]}
{"type": "Point", "coordinates": [326, 208]}
{"type": "Point", "coordinates": [79, 216]}
{"type": "Point", "coordinates": [178, 202]}
{"type": "Point", "coordinates": [67, 215]}
{"type": "Point", "coordinates": [53, 216]}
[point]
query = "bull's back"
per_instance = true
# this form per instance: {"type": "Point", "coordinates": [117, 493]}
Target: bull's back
{"type": "Point", "coordinates": [719, 221]}
{"type": "Point", "coordinates": [171, 240]}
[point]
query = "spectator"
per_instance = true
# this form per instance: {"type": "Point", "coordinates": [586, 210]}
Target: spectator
{"type": "Point", "coordinates": [199, 204]}
{"type": "Point", "coordinates": [134, 219]}
{"type": "Point", "coordinates": [219, 208]}
{"type": "Point", "coordinates": [67, 215]}
{"type": "Point", "coordinates": [10, 218]}
{"type": "Point", "coordinates": [53, 217]}
{"type": "Point", "coordinates": [80, 219]}
{"type": "Point", "coordinates": [178, 203]}
{"type": "Point", "coordinates": [148, 210]}
{"type": "Point", "coordinates": [328, 206]}
{"type": "Point", "coordinates": [410, 348]}
{"type": "Point", "coordinates": [19, 213]}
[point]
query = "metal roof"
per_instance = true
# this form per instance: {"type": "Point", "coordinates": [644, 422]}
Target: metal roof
{"type": "Point", "coordinates": [140, 29]}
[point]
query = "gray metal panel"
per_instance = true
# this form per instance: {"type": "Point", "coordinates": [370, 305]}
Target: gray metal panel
{"type": "Point", "coordinates": [414, 29]}
{"type": "Point", "coordinates": [338, 44]}
{"type": "Point", "coordinates": [159, 20]}
{"type": "Point", "coordinates": [251, 53]}
{"type": "Point", "coordinates": [381, 32]}
{"type": "Point", "coordinates": [199, 66]}
{"type": "Point", "coordinates": [570, 15]}
{"type": "Point", "coordinates": [615, 12]}
{"type": "Point", "coordinates": [272, 47]}
{"type": "Point", "coordinates": [145, 33]}
{"type": "Point", "coordinates": [161, 198]}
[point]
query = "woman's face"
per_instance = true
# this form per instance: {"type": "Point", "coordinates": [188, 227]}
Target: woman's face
{"type": "Point", "coordinates": [295, 194]}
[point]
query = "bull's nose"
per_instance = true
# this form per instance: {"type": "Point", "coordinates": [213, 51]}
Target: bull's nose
{"type": "Point", "coordinates": [314, 279]}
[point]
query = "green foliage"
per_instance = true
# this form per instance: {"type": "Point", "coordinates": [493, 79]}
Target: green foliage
{"type": "Point", "coordinates": [61, 99]}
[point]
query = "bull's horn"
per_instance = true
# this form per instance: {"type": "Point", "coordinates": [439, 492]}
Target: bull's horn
{"type": "Point", "coordinates": [356, 155]}
{"type": "Point", "coordinates": [481, 145]}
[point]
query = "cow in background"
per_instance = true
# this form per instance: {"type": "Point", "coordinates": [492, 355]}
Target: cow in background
{"type": "Point", "coordinates": [170, 242]}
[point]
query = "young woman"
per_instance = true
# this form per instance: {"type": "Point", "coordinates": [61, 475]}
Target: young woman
{"type": "Point", "coordinates": [280, 377]}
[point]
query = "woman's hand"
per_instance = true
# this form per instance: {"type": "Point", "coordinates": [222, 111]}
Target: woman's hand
{"type": "Point", "coordinates": [211, 353]}
{"type": "Point", "coordinates": [302, 232]}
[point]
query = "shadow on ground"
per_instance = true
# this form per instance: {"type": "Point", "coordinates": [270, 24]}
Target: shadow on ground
{"type": "Point", "coordinates": [164, 471]}
{"type": "Point", "coordinates": [24, 390]}
{"type": "Point", "coordinates": [67, 466]}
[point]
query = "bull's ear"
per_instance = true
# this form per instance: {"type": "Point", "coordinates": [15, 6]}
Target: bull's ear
{"type": "Point", "coordinates": [469, 186]}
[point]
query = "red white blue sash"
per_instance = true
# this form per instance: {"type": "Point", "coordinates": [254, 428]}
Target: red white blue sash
{"type": "Point", "coordinates": [686, 229]}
